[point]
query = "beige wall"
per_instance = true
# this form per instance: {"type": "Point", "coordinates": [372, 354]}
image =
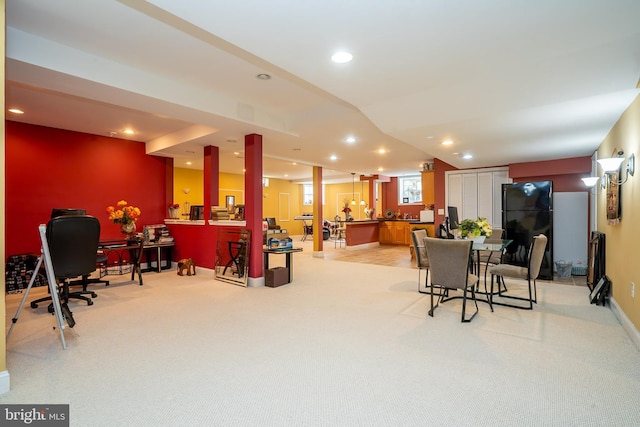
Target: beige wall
{"type": "Point", "coordinates": [622, 238]}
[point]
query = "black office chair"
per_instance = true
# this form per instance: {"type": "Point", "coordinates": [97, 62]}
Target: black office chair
{"type": "Point", "coordinates": [101, 258]}
{"type": "Point", "coordinates": [73, 243]}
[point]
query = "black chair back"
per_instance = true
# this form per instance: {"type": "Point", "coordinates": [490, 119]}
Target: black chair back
{"type": "Point", "coordinates": [73, 243]}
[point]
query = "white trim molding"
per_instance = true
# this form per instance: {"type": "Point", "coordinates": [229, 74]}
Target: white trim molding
{"type": "Point", "coordinates": [627, 325]}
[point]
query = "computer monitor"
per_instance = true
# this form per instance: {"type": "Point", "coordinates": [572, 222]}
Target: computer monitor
{"type": "Point", "coordinates": [452, 212]}
{"type": "Point", "coordinates": [56, 212]}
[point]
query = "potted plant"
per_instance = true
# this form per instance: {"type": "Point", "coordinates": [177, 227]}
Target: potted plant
{"type": "Point", "coordinates": [477, 229]}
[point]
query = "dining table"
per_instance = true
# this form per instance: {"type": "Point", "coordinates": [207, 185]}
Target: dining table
{"type": "Point", "coordinates": [495, 248]}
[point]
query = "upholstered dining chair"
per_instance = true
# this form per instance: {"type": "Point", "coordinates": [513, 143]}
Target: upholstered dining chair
{"type": "Point", "coordinates": [422, 261]}
{"type": "Point", "coordinates": [529, 273]}
{"type": "Point", "coordinates": [489, 257]}
{"type": "Point", "coordinates": [449, 262]}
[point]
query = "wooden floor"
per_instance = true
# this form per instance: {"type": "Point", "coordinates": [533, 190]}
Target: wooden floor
{"type": "Point", "coordinates": [389, 255]}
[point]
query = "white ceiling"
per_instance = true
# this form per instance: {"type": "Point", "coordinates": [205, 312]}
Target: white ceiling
{"type": "Point", "coordinates": [507, 81]}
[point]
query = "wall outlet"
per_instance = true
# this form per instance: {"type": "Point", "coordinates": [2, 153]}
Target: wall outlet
{"type": "Point", "coordinates": [633, 290]}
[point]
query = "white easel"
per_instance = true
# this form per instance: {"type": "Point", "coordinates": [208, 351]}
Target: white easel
{"type": "Point", "coordinates": [53, 289]}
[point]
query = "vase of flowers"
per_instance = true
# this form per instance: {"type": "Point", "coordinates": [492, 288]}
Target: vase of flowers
{"type": "Point", "coordinates": [475, 229]}
{"type": "Point", "coordinates": [125, 215]}
{"type": "Point", "coordinates": [347, 210]}
{"type": "Point", "coordinates": [174, 211]}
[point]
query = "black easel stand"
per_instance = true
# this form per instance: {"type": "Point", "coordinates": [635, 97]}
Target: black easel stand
{"type": "Point", "coordinates": [59, 310]}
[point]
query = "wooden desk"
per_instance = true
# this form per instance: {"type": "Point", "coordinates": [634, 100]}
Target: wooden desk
{"type": "Point", "coordinates": [288, 260]}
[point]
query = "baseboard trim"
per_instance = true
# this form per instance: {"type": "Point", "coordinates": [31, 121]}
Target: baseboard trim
{"type": "Point", "coordinates": [627, 325]}
{"type": "Point", "coordinates": [255, 282]}
{"type": "Point", "coordinates": [5, 383]}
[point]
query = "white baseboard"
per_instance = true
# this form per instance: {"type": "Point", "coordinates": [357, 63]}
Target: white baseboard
{"type": "Point", "coordinates": [5, 383]}
{"type": "Point", "coordinates": [627, 325]}
{"type": "Point", "coordinates": [255, 282]}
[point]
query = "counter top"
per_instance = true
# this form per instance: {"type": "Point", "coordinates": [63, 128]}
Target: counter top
{"type": "Point", "coordinates": [410, 221]}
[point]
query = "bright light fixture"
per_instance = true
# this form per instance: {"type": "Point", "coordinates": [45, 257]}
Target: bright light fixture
{"type": "Point", "coordinates": [350, 140]}
{"type": "Point", "coordinates": [382, 151]}
{"type": "Point", "coordinates": [611, 164]}
{"type": "Point", "coordinates": [447, 142]}
{"type": "Point", "coordinates": [590, 181]}
{"type": "Point", "coordinates": [333, 157]}
{"type": "Point", "coordinates": [128, 131]}
{"type": "Point", "coordinates": [467, 156]}
{"type": "Point", "coordinates": [341, 57]}
{"type": "Point", "coordinates": [16, 111]}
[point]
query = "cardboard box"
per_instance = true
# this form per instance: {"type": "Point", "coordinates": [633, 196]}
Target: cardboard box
{"type": "Point", "coordinates": [276, 276]}
{"type": "Point", "coordinates": [286, 243]}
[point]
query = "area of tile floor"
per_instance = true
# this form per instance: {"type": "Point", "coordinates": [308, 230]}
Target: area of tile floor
{"type": "Point", "coordinates": [390, 255]}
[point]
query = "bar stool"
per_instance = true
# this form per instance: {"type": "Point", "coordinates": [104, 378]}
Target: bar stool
{"type": "Point", "coordinates": [341, 233]}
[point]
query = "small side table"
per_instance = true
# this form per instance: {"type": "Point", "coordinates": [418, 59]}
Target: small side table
{"type": "Point", "coordinates": [288, 258]}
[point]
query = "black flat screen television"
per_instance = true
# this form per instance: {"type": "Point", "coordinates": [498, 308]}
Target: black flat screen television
{"type": "Point", "coordinates": [452, 213]}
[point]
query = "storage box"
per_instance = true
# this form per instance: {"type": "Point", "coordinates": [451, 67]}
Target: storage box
{"type": "Point", "coordinates": [286, 243]}
{"type": "Point", "coordinates": [276, 276]}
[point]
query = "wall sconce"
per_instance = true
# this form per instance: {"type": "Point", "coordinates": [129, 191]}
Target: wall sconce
{"type": "Point", "coordinates": [611, 165]}
{"type": "Point", "coordinates": [590, 181]}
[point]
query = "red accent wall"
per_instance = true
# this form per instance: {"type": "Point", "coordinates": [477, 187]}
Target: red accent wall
{"type": "Point", "coordinates": [565, 173]}
{"type": "Point", "coordinates": [53, 168]}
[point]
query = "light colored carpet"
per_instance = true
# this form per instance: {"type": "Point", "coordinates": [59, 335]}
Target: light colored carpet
{"type": "Point", "coordinates": [345, 344]}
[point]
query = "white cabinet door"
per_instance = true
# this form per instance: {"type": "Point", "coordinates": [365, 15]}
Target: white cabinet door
{"type": "Point", "coordinates": [469, 196]}
{"type": "Point", "coordinates": [499, 178]}
{"type": "Point", "coordinates": [454, 192]}
{"type": "Point", "coordinates": [485, 196]}
{"type": "Point", "coordinates": [477, 193]}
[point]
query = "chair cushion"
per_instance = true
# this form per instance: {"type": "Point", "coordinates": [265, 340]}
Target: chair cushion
{"type": "Point", "coordinates": [508, 270]}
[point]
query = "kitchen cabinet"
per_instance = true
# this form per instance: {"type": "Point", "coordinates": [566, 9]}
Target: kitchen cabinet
{"type": "Point", "coordinates": [428, 188]}
{"type": "Point", "coordinates": [399, 232]}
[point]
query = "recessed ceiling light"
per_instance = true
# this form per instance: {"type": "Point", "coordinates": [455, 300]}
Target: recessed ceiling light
{"type": "Point", "coordinates": [263, 76]}
{"type": "Point", "coordinates": [286, 175]}
{"type": "Point", "coordinates": [380, 169]}
{"type": "Point", "coordinates": [381, 151]}
{"type": "Point", "coordinates": [333, 157]}
{"type": "Point", "coordinates": [341, 57]}
{"type": "Point", "coordinates": [467, 156]}
{"type": "Point", "coordinates": [16, 111]}
{"type": "Point", "coordinates": [236, 153]}
{"type": "Point", "coordinates": [128, 131]}
{"type": "Point", "coordinates": [350, 140]}
{"type": "Point", "coordinates": [294, 163]}
{"type": "Point", "coordinates": [447, 142]}
{"type": "Point", "coordinates": [189, 163]}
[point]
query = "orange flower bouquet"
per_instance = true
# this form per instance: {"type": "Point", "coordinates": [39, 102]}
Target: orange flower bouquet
{"type": "Point", "coordinates": [124, 214]}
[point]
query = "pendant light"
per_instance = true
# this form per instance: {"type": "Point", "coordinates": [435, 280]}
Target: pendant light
{"type": "Point", "coordinates": [362, 203]}
{"type": "Point", "coordinates": [353, 188]}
